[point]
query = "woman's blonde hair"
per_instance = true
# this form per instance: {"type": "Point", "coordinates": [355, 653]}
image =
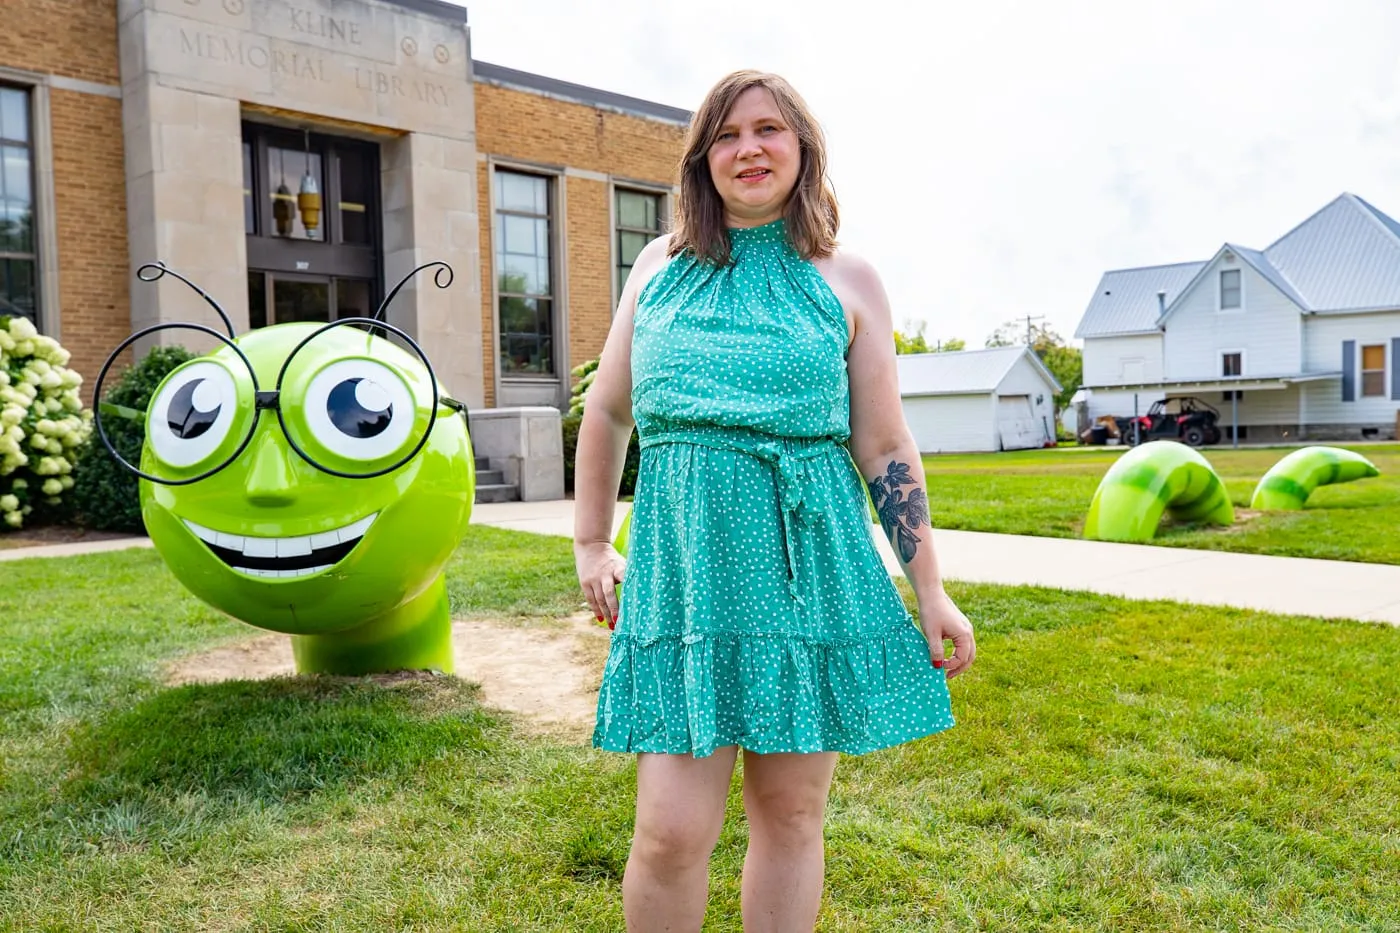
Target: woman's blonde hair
{"type": "Point", "coordinates": [811, 214]}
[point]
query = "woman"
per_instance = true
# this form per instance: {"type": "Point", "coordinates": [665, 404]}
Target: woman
{"type": "Point", "coordinates": [757, 613]}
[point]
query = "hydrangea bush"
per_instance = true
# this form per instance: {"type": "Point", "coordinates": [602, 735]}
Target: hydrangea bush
{"type": "Point", "coordinates": [42, 420]}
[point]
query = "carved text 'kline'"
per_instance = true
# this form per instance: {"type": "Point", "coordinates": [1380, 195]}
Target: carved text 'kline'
{"type": "Point", "coordinates": [311, 23]}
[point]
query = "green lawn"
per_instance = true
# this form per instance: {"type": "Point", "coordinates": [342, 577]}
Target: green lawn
{"type": "Point", "coordinates": [1117, 766]}
{"type": "Point", "coordinates": [1047, 492]}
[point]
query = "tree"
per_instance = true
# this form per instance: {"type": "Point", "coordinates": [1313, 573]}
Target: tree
{"type": "Point", "coordinates": [1065, 363]}
{"type": "Point", "coordinates": [914, 341]}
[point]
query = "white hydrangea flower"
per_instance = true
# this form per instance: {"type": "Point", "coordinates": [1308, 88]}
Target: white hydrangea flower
{"type": "Point", "coordinates": [51, 487]}
{"type": "Point", "coordinates": [9, 503]}
{"type": "Point", "coordinates": [22, 329]}
{"type": "Point", "coordinates": [14, 519]}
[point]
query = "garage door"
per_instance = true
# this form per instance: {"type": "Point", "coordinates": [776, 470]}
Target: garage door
{"type": "Point", "coordinates": [1017, 424]}
{"type": "Point", "coordinates": [951, 423]}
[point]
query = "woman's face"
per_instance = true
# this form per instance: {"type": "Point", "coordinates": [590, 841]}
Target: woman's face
{"type": "Point", "coordinates": [754, 160]}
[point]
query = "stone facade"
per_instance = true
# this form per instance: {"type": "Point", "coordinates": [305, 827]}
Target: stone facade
{"type": "Point", "coordinates": [142, 108]}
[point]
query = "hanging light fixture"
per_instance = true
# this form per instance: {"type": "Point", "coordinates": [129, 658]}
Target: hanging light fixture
{"type": "Point", "coordinates": [309, 197]}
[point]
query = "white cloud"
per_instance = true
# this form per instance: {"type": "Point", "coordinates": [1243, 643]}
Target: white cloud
{"type": "Point", "coordinates": [994, 158]}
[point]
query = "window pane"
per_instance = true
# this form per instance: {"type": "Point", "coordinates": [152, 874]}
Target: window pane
{"type": "Point", "coordinates": [14, 114]}
{"type": "Point", "coordinates": [1373, 357]}
{"type": "Point", "coordinates": [636, 209]}
{"type": "Point", "coordinates": [14, 175]}
{"type": "Point", "coordinates": [1231, 364]}
{"type": "Point", "coordinates": [526, 336]}
{"type": "Point", "coordinates": [17, 288]}
{"type": "Point", "coordinates": [355, 189]}
{"type": "Point", "coordinates": [352, 298]}
{"type": "Point", "coordinates": [526, 193]}
{"type": "Point", "coordinates": [1372, 384]}
{"type": "Point", "coordinates": [1230, 288]}
{"type": "Point", "coordinates": [630, 245]}
{"type": "Point", "coordinates": [301, 301]}
{"type": "Point", "coordinates": [16, 228]}
{"type": "Point", "coordinates": [285, 169]}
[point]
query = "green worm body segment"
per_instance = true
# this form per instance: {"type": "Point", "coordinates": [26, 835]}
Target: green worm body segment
{"type": "Point", "coordinates": [1156, 477]}
{"type": "Point", "coordinates": [1289, 482]}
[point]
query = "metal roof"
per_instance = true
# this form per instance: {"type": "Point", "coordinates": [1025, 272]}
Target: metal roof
{"type": "Point", "coordinates": [1125, 301]}
{"type": "Point", "coordinates": [1345, 257]}
{"type": "Point", "coordinates": [578, 93]}
{"type": "Point", "coordinates": [961, 372]}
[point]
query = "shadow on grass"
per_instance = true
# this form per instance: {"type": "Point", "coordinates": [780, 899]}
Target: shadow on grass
{"type": "Point", "coordinates": [273, 741]}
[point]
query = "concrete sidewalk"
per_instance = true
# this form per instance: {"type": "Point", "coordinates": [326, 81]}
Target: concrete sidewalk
{"type": "Point", "coordinates": [1289, 585]}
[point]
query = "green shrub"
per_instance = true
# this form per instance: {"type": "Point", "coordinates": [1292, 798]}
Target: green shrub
{"type": "Point", "coordinates": [106, 495]}
{"type": "Point", "coordinates": [628, 486]}
{"type": "Point", "coordinates": [42, 423]}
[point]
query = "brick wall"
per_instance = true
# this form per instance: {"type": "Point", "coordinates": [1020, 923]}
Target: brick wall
{"type": "Point", "coordinates": [90, 195]}
{"type": "Point", "coordinates": [532, 128]}
{"type": "Point", "coordinates": [72, 38]}
{"type": "Point", "coordinates": [79, 40]}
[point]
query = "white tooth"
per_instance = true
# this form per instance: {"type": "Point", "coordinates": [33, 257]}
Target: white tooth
{"type": "Point", "coordinates": [232, 542]}
{"type": "Point", "coordinates": [204, 534]}
{"type": "Point", "coordinates": [325, 539]}
{"type": "Point", "coordinates": [260, 547]}
{"type": "Point", "coordinates": [352, 532]}
{"type": "Point", "coordinates": [299, 546]}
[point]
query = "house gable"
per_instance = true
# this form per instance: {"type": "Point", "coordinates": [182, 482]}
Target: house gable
{"type": "Point", "coordinates": [1266, 329]}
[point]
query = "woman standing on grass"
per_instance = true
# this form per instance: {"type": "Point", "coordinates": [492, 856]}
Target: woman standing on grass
{"type": "Point", "coordinates": [757, 613]}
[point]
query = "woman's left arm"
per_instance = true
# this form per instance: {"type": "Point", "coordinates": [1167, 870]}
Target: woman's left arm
{"type": "Point", "coordinates": [885, 453]}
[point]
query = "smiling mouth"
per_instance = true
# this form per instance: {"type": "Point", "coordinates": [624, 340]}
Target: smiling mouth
{"type": "Point", "coordinates": [298, 556]}
{"type": "Point", "coordinates": [754, 174]}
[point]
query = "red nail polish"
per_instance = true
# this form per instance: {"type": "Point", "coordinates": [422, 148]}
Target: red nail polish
{"type": "Point", "coordinates": [937, 663]}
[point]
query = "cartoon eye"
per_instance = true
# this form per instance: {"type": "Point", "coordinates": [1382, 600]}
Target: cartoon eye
{"type": "Point", "coordinates": [193, 414]}
{"type": "Point", "coordinates": [360, 409]}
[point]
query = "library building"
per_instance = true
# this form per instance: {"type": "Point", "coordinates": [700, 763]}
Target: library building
{"type": "Point", "coordinates": [296, 158]}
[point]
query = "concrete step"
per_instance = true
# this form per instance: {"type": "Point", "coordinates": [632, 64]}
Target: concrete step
{"type": "Point", "coordinates": [483, 463]}
{"type": "Point", "coordinates": [490, 477]}
{"type": "Point", "coordinates": [498, 492]}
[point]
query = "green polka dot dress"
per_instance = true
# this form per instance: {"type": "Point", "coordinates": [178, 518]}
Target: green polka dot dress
{"type": "Point", "coordinates": [756, 610]}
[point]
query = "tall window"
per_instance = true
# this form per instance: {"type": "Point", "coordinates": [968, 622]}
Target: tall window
{"type": "Point", "coordinates": [1232, 364]}
{"type": "Point", "coordinates": [1373, 371]}
{"type": "Point", "coordinates": [1229, 289]}
{"type": "Point", "coordinates": [524, 279]}
{"type": "Point", "coordinates": [18, 254]}
{"type": "Point", "coordinates": [638, 223]}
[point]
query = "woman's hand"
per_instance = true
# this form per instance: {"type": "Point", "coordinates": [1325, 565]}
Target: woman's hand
{"type": "Point", "coordinates": [941, 619]}
{"type": "Point", "coordinates": [600, 570]}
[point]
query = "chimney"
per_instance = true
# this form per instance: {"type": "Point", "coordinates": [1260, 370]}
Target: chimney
{"type": "Point", "coordinates": [1161, 303]}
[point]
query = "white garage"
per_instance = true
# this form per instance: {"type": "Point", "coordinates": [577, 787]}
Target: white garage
{"type": "Point", "coordinates": [978, 400]}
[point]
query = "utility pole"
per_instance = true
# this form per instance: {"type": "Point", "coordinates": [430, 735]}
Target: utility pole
{"type": "Point", "coordinates": [1030, 332]}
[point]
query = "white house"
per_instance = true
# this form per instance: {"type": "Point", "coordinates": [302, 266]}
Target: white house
{"type": "Point", "coordinates": [1298, 340]}
{"type": "Point", "coordinates": [971, 400]}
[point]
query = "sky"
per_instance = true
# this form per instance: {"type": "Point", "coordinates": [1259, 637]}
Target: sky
{"type": "Point", "coordinates": [994, 158]}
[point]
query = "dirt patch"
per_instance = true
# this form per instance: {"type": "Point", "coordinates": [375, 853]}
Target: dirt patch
{"type": "Point", "coordinates": [544, 672]}
{"type": "Point", "coordinates": [45, 535]}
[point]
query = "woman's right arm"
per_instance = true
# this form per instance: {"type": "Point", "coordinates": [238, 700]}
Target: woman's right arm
{"type": "Point", "coordinates": [602, 447]}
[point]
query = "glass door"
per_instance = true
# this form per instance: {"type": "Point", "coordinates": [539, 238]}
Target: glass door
{"type": "Point", "coordinates": [281, 297]}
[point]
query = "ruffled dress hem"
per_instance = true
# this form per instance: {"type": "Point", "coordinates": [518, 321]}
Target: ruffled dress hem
{"type": "Point", "coordinates": [694, 694]}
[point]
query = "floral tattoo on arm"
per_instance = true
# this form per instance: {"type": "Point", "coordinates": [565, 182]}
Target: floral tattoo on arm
{"type": "Point", "coordinates": [900, 516]}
